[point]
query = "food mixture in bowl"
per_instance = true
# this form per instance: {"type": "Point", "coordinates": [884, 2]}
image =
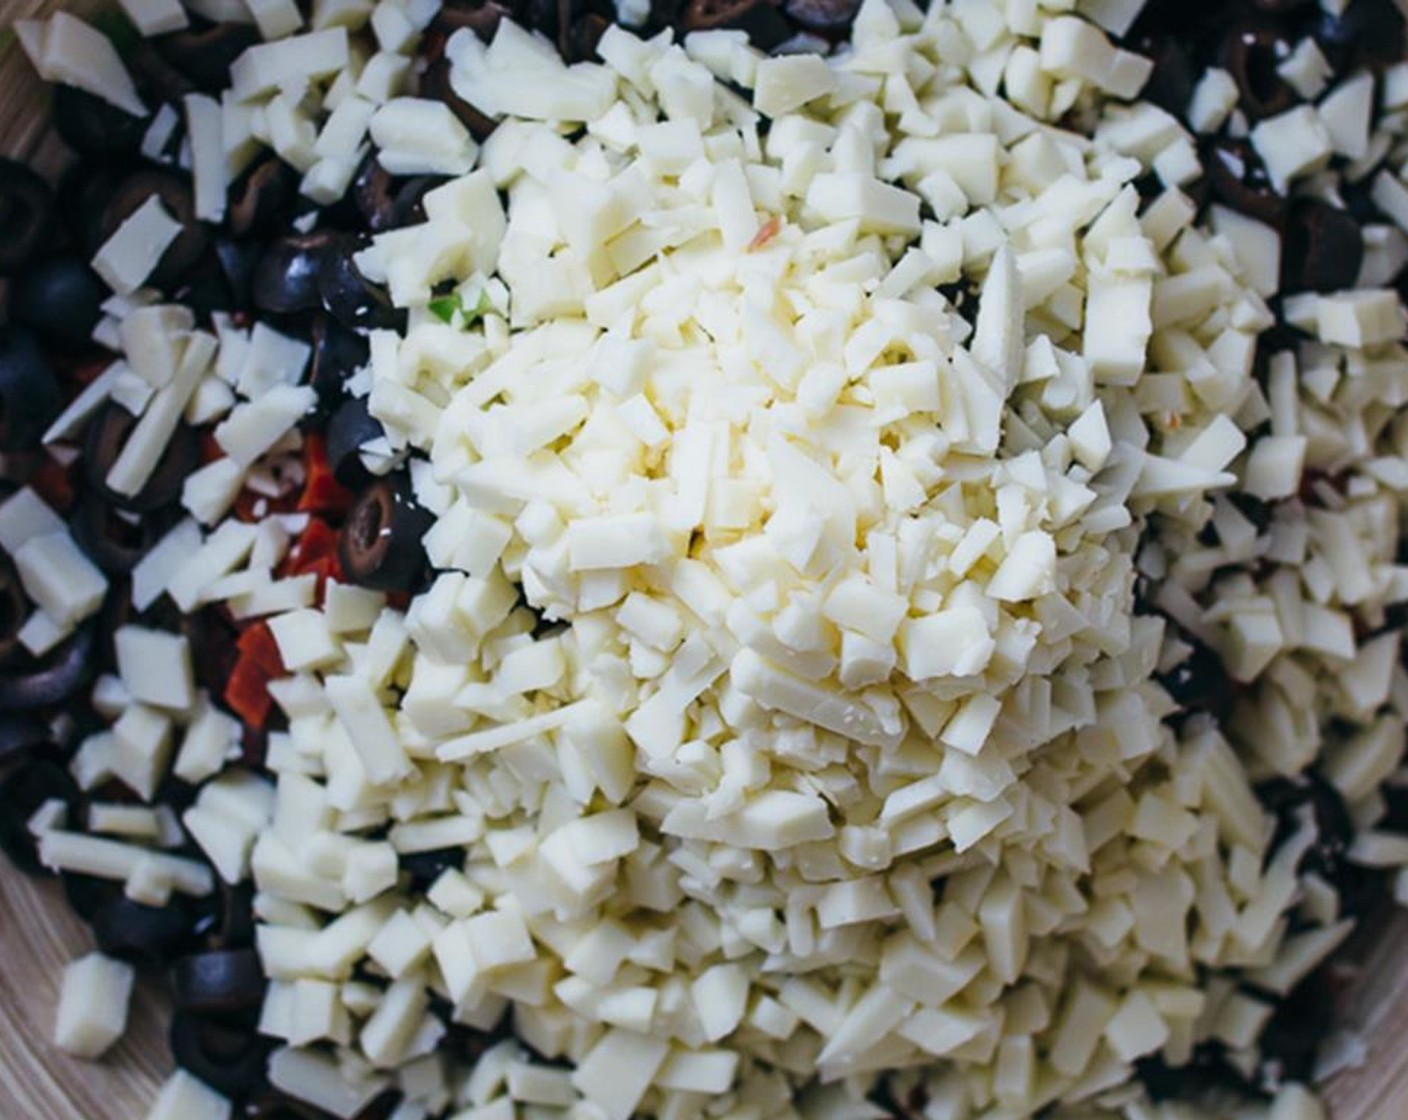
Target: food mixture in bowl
{"type": "Point", "coordinates": [743, 560]}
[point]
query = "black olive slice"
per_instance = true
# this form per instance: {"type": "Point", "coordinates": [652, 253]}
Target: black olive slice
{"type": "Point", "coordinates": [113, 539]}
{"type": "Point", "coordinates": [351, 426]}
{"type": "Point", "coordinates": [156, 77]}
{"type": "Point", "coordinates": [237, 261]}
{"type": "Point", "coordinates": [425, 867]}
{"type": "Point", "coordinates": [58, 675]}
{"type": "Point", "coordinates": [149, 937]}
{"type": "Point", "coordinates": [22, 792]}
{"type": "Point", "coordinates": [88, 894]}
{"type": "Point", "coordinates": [1366, 32]}
{"type": "Point", "coordinates": [262, 198]}
{"type": "Point", "coordinates": [286, 278]}
{"type": "Point", "coordinates": [93, 127]}
{"type": "Point", "coordinates": [1322, 248]}
{"type": "Point", "coordinates": [1237, 178]}
{"type": "Point", "coordinates": [14, 607]}
{"type": "Point", "coordinates": [338, 353]}
{"type": "Point", "coordinates": [1251, 51]}
{"type": "Point", "coordinates": [381, 543]}
{"type": "Point", "coordinates": [107, 436]}
{"type": "Point", "coordinates": [26, 205]}
{"type": "Point", "coordinates": [435, 84]}
{"type": "Point", "coordinates": [30, 397]}
{"type": "Point", "coordinates": [765, 24]}
{"type": "Point", "coordinates": [232, 1059]}
{"type": "Point", "coordinates": [60, 299]}
{"type": "Point", "coordinates": [21, 732]}
{"type": "Point", "coordinates": [177, 198]}
{"type": "Point", "coordinates": [351, 298]}
{"type": "Point", "coordinates": [82, 196]}
{"type": "Point", "coordinates": [387, 202]}
{"type": "Point", "coordinates": [204, 52]}
{"type": "Point", "coordinates": [823, 15]}
{"type": "Point", "coordinates": [218, 982]}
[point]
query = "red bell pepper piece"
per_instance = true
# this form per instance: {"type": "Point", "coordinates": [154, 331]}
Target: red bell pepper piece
{"type": "Point", "coordinates": [322, 493]}
{"type": "Point", "coordinates": [51, 482]}
{"type": "Point", "coordinates": [259, 662]}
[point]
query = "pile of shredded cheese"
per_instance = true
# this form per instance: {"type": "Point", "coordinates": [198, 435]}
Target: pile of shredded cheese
{"type": "Point", "coordinates": [782, 675]}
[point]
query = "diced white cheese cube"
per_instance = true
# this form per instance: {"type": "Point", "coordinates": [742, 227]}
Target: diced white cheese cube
{"type": "Point", "coordinates": [183, 1097]}
{"type": "Point", "coordinates": [93, 1005]}
{"type": "Point", "coordinates": [65, 49]}
{"type": "Point", "coordinates": [156, 667]}
{"type": "Point", "coordinates": [131, 254]}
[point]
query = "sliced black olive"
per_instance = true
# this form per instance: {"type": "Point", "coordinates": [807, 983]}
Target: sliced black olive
{"type": "Point", "coordinates": [93, 127]}
{"type": "Point", "coordinates": [410, 199]}
{"type": "Point", "coordinates": [1285, 798]}
{"type": "Point", "coordinates": [235, 930]}
{"type": "Point", "coordinates": [1359, 888]}
{"type": "Point", "coordinates": [206, 289]}
{"type": "Point", "coordinates": [425, 867]}
{"type": "Point", "coordinates": [14, 608]}
{"type": "Point", "coordinates": [1175, 74]}
{"type": "Point", "coordinates": [231, 1059]}
{"type": "Point", "coordinates": [1322, 248]}
{"type": "Point", "coordinates": [823, 15]}
{"type": "Point", "coordinates": [107, 436]}
{"type": "Point", "coordinates": [22, 792]}
{"type": "Point", "coordinates": [149, 937]}
{"type": "Point", "coordinates": [60, 299]}
{"type": "Point", "coordinates": [575, 31]}
{"type": "Point", "coordinates": [114, 539]}
{"type": "Point", "coordinates": [382, 1107]}
{"type": "Point", "coordinates": [56, 677]}
{"type": "Point", "coordinates": [1208, 1072]}
{"type": "Point", "coordinates": [174, 192]}
{"type": "Point", "coordinates": [351, 426]}
{"type": "Point", "coordinates": [271, 1104]}
{"type": "Point", "coordinates": [387, 202]}
{"type": "Point", "coordinates": [1200, 683]}
{"type": "Point", "coordinates": [83, 194]}
{"type": "Point", "coordinates": [1237, 178]}
{"type": "Point", "coordinates": [351, 298]}
{"type": "Point", "coordinates": [26, 205]}
{"type": "Point", "coordinates": [338, 353]}
{"type": "Point", "coordinates": [238, 260]}
{"type": "Point", "coordinates": [1251, 51]}
{"type": "Point", "coordinates": [204, 53]}
{"type": "Point", "coordinates": [262, 198]}
{"type": "Point", "coordinates": [553, 19]}
{"type": "Point", "coordinates": [435, 84]}
{"type": "Point", "coordinates": [1256, 510]}
{"type": "Point", "coordinates": [21, 732]}
{"type": "Point", "coordinates": [1291, 1040]}
{"type": "Point", "coordinates": [761, 19]}
{"type": "Point", "coordinates": [1188, 18]}
{"type": "Point", "coordinates": [279, 1110]}
{"type": "Point", "coordinates": [218, 982]}
{"type": "Point", "coordinates": [286, 278]}
{"type": "Point", "coordinates": [30, 397]}
{"type": "Point", "coordinates": [155, 74]}
{"type": "Point", "coordinates": [380, 546]}
{"type": "Point", "coordinates": [1366, 32]}
{"type": "Point", "coordinates": [584, 36]}
{"type": "Point", "coordinates": [374, 192]}
{"type": "Point", "coordinates": [663, 14]}
{"type": "Point", "coordinates": [87, 894]}
{"type": "Point", "coordinates": [481, 18]}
